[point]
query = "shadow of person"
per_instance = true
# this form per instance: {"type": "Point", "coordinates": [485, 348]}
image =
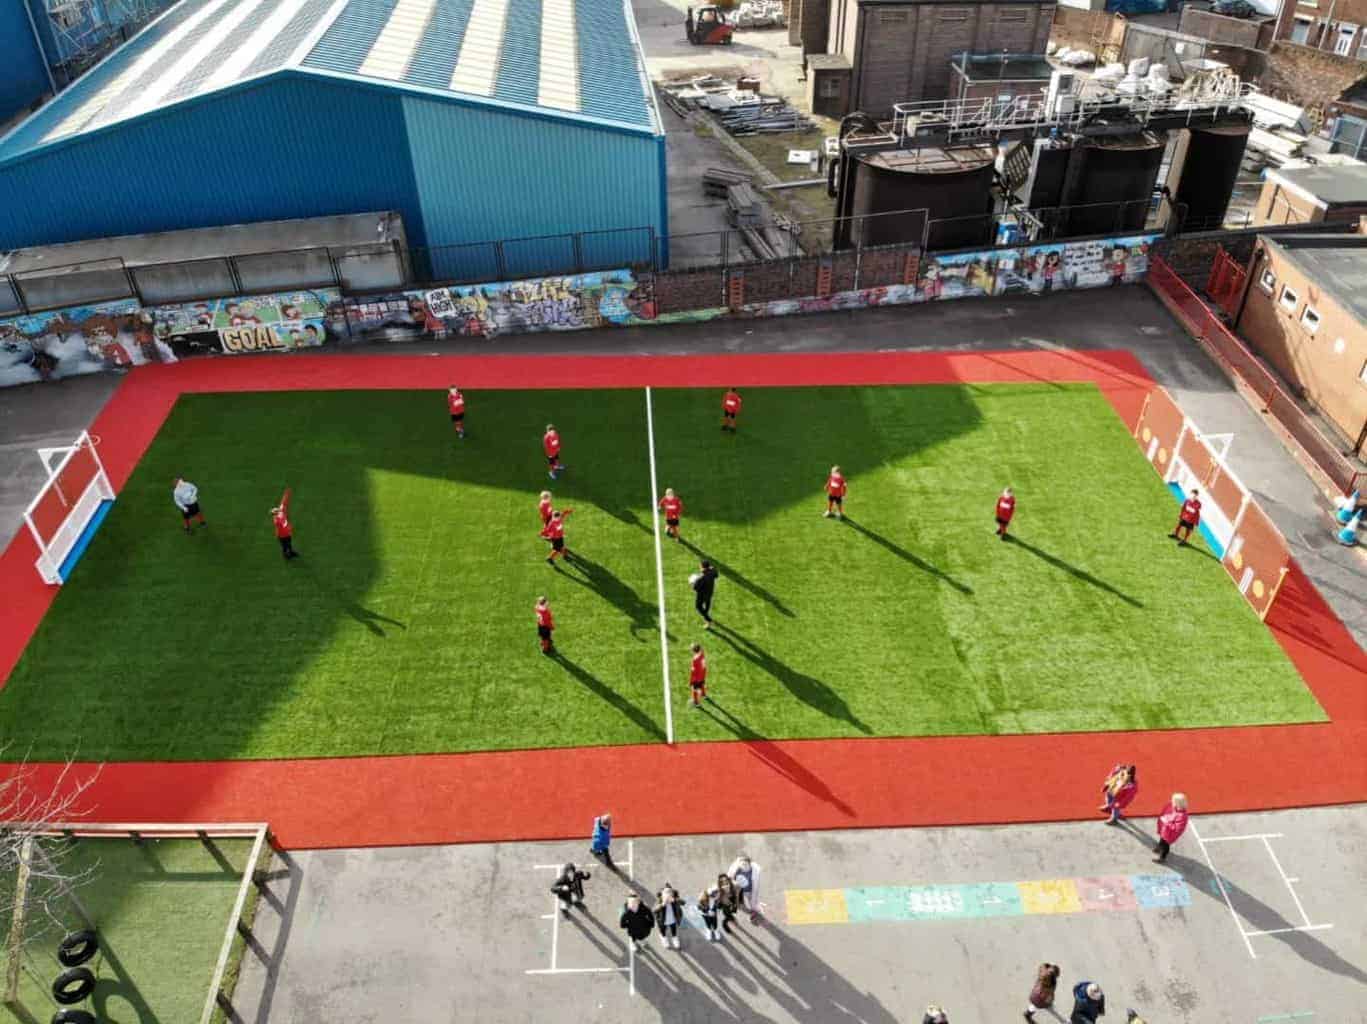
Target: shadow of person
{"type": "Point", "coordinates": [1198, 549]}
{"type": "Point", "coordinates": [907, 556]}
{"type": "Point", "coordinates": [744, 582]}
{"type": "Point", "coordinates": [812, 988]}
{"type": "Point", "coordinates": [775, 757]}
{"type": "Point", "coordinates": [352, 608]}
{"type": "Point", "coordinates": [1247, 907]}
{"type": "Point", "coordinates": [808, 689]}
{"type": "Point", "coordinates": [660, 982]}
{"type": "Point", "coordinates": [370, 619]}
{"type": "Point", "coordinates": [599, 579]}
{"type": "Point", "coordinates": [1082, 574]}
{"type": "Point", "coordinates": [610, 696]}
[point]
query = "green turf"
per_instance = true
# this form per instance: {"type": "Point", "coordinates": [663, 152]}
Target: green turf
{"type": "Point", "coordinates": [407, 625]}
{"type": "Point", "coordinates": [161, 909]}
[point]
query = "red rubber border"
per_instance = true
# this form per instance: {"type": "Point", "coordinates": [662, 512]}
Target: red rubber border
{"type": "Point", "coordinates": [803, 784]}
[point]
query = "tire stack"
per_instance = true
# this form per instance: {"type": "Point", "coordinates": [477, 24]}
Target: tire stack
{"type": "Point", "coordinates": [75, 983]}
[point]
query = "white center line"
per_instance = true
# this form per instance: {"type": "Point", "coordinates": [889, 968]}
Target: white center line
{"type": "Point", "coordinates": [659, 568]}
{"type": "Point", "coordinates": [631, 943]}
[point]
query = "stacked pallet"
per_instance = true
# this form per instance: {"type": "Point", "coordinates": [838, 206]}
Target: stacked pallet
{"type": "Point", "coordinates": [771, 115]}
{"type": "Point", "coordinates": [745, 207]}
{"type": "Point", "coordinates": [716, 180]}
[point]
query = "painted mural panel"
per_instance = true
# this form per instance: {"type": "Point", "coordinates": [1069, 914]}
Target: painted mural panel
{"type": "Point", "coordinates": [275, 322]}
{"type": "Point", "coordinates": [613, 298]}
{"type": "Point", "coordinates": [83, 339]}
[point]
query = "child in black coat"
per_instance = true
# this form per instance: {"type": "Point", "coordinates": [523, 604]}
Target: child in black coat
{"type": "Point", "coordinates": [669, 914]}
{"type": "Point", "coordinates": [637, 919]}
{"type": "Point", "coordinates": [569, 888]}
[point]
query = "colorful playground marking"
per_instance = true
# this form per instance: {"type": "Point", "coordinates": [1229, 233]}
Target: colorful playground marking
{"type": "Point", "coordinates": [1102, 894]}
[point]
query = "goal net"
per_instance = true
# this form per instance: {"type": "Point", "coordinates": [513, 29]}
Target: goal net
{"type": "Point", "coordinates": [69, 507]}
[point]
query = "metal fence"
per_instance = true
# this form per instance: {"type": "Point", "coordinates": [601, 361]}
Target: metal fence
{"type": "Point", "coordinates": [387, 266]}
{"type": "Point", "coordinates": [1244, 367]}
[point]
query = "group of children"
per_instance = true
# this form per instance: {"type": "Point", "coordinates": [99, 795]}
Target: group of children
{"type": "Point", "coordinates": [186, 497]}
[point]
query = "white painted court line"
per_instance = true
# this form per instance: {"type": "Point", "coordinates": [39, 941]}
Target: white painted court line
{"type": "Point", "coordinates": [575, 970]}
{"type": "Point", "coordinates": [1252, 835]}
{"type": "Point", "coordinates": [1221, 883]}
{"type": "Point", "coordinates": [659, 566]}
{"type": "Point", "coordinates": [1289, 887]}
{"type": "Point", "coordinates": [1300, 928]}
{"type": "Point", "coordinates": [555, 930]}
{"type": "Point", "coordinates": [631, 943]}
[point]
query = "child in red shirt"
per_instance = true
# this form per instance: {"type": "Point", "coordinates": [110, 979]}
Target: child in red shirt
{"type": "Point", "coordinates": [550, 443]}
{"type": "Point", "coordinates": [1187, 519]}
{"type": "Point", "coordinates": [554, 531]}
{"type": "Point", "coordinates": [835, 494]}
{"type": "Point", "coordinates": [730, 409]}
{"type": "Point", "coordinates": [455, 402]}
{"type": "Point", "coordinates": [545, 625]}
{"type": "Point", "coordinates": [544, 508]}
{"type": "Point", "coordinates": [672, 505]}
{"type": "Point", "coordinates": [697, 676]}
{"type": "Point", "coordinates": [284, 532]}
{"type": "Point", "coordinates": [1006, 508]}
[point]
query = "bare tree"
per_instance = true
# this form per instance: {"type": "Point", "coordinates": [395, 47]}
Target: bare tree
{"type": "Point", "coordinates": [34, 805]}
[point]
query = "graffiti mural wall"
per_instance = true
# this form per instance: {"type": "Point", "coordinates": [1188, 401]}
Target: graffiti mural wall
{"type": "Point", "coordinates": [612, 298]}
{"type": "Point", "coordinates": [277, 322]}
{"type": "Point", "coordinates": [83, 339]}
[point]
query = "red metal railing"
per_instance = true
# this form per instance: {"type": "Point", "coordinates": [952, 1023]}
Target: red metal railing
{"type": "Point", "coordinates": [1241, 364]}
{"type": "Point", "coordinates": [1226, 282]}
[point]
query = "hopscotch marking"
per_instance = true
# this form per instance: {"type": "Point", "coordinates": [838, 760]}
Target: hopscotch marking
{"type": "Point", "coordinates": [629, 968]}
{"type": "Point", "coordinates": [1266, 839]}
{"type": "Point", "coordinates": [659, 567]}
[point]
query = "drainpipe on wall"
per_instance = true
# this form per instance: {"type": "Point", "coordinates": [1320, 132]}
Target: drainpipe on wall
{"type": "Point", "coordinates": [1328, 25]}
{"type": "Point", "coordinates": [1250, 281]}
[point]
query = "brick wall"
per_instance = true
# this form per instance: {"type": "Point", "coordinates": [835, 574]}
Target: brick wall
{"type": "Point", "coordinates": [904, 49]}
{"type": "Point", "coordinates": [1307, 77]}
{"type": "Point", "coordinates": [1246, 32]}
{"type": "Point", "coordinates": [679, 290]}
{"type": "Point", "coordinates": [808, 24]}
{"type": "Point", "coordinates": [1321, 365]}
{"type": "Point", "coordinates": [1081, 29]}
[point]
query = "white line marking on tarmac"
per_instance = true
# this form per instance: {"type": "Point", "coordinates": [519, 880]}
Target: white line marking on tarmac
{"type": "Point", "coordinates": [659, 567]}
{"type": "Point", "coordinates": [1300, 928]}
{"type": "Point", "coordinates": [1251, 835]}
{"type": "Point", "coordinates": [631, 944]}
{"type": "Point", "coordinates": [574, 970]}
{"type": "Point", "coordinates": [1221, 883]}
{"type": "Point", "coordinates": [555, 932]}
{"type": "Point", "coordinates": [1289, 887]}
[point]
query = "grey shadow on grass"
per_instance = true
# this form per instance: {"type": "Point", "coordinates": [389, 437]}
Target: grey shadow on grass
{"type": "Point", "coordinates": [371, 620]}
{"type": "Point", "coordinates": [808, 689]}
{"type": "Point", "coordinates": [610, 588]}
{"type": "Point", "coordinates": [118, 990]}
{"type": "Point", "coordinates": [907, 556]}
{"type": "Point", "coordinates": [775, 757]}
{"type": "Point", "coordinates": [748, 585]}
{"type": "Point", "coordinates": [1198, 549]}
{"type": "Point", "coordinates": [1247, 907]}
{"type": "Point", "coordinates": [596, 686]}
{"type": "Point", "coordinates": [1072, 570]}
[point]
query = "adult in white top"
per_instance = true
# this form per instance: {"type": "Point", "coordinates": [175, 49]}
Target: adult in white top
{"type": "Point", "coordinates": [186, 497]}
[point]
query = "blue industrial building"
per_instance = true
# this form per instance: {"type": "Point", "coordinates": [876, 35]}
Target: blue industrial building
{"type": "Point", "coordinates": [44, 44]}
{"type": "Point", "coordinates": [478, 120]}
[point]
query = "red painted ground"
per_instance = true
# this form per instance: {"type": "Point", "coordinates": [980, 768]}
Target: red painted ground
{"type": "Point", "coordinates": [808, 784]}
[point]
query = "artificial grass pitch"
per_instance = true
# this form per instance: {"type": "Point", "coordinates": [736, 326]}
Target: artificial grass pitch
{"type": "Point", "coordinates": [407, 624]}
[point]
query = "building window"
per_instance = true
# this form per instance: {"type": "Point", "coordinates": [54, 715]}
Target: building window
{"type": "Point", "coordinates": [1289, 300]}
{"type": "Point", "coordinates": [1310, 320]}
{"type": "Point", "coordinates": [1300, 30]}
{"type": "Point", "coordinates": [893, 17]}
{"type": "Point", "coordinates": [1012, 14]}
{"type": "Point", "coordinates": [1267, 281]}
{"type": "Point", "coordinates": [1343, 42]}
{"type": "Point", "coordinates": [830, 87]}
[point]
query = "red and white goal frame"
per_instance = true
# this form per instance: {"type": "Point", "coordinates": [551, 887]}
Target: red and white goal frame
{"type": "Point", "coordinates": [66, 506]}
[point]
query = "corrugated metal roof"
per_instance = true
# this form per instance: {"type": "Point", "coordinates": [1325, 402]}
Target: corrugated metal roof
{"type": "Point", "coordinates": [568, 58]}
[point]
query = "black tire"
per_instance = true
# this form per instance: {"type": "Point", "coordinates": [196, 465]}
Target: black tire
{"type": "Point", "coordinates": [73, 1017]}
{"type": "Point", "coordinates": [78, 948]}
{"type": "Point", "coordinates": [73, 985]}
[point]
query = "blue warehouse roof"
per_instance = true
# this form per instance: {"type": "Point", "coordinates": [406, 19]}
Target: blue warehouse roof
{"type": "Point", "coordinates": [569, 59]}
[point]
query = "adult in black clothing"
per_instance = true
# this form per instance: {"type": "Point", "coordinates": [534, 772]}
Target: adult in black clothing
{"type": "Point", "coordinates": [704, 583]}
{"type": "Point", "coordinates": [637, 919]}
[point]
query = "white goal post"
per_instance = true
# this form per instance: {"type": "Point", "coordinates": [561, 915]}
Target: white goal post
{"type": "Point", "coordinates": [77, 488]}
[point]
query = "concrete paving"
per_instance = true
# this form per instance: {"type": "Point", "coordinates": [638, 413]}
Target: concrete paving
{"type": "Point", "coordinates": [471, 933]}
{"type": "Point", "coordinates": [41, 416]}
